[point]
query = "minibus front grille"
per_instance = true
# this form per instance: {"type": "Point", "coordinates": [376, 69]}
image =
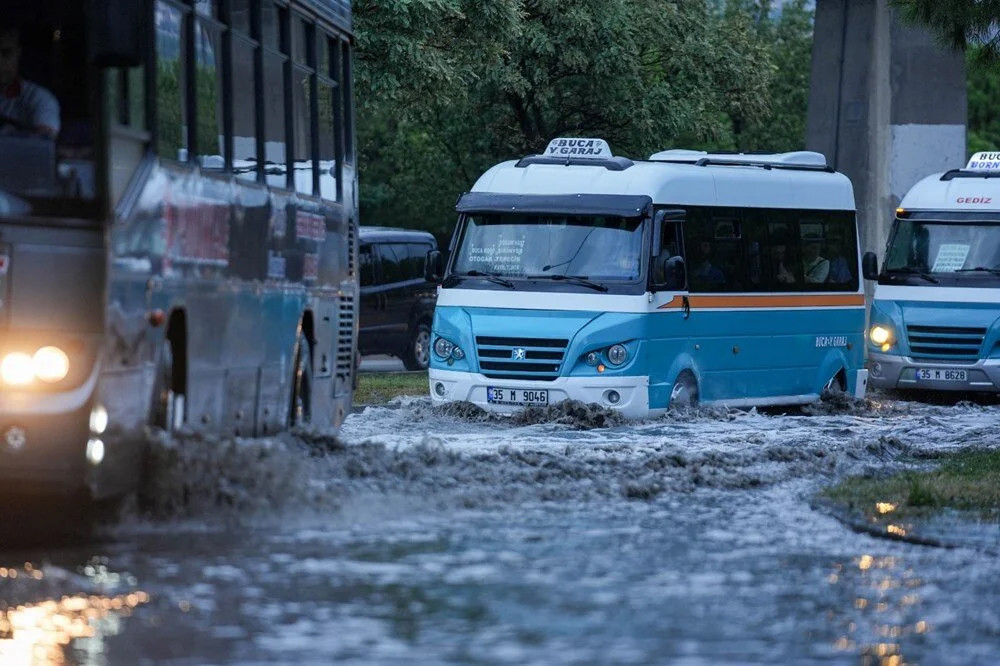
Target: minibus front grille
{"type": "Point", "coordinates": [945, 342]}
{"type": "Point", "coordinates": [536, 359]}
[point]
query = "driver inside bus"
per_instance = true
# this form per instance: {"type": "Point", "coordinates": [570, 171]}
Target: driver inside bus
{"type": "Point", "coordinates": [25, 107]}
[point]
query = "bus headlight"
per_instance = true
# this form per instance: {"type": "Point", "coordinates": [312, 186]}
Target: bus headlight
{"type": "Point", "coordinates": [617, 354]}
{"type": "Point", "coordinates": [17, 369]}
{"type": "Point", "coordinates": [880, 335]}
{"type": "Point", "coordinates": [443, 348]}
{"type": "Point", "coordinates": [51, 364]}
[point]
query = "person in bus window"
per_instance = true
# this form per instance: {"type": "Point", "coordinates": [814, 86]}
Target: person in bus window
{"type": "Point", "coordinates": [25, 107]}
{"type": "Point", "coordinates": [782, 273]}
{"type": "Point", "coordinates": [815, 268]}
{"type": "Point", "coordinates": [840, 270]}
{"type": "Point", "coordinates": [705, 271]}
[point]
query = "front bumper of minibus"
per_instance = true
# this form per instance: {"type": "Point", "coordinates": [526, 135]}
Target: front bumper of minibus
{"type": "Point", "coordinates": [44, 440]}
{"type": "Point", "coordinates": [632, 392]}
{"type": "Point", "coordinates": [890, 371]}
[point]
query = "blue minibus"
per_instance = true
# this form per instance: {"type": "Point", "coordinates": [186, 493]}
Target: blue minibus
{"type": "Point", "coordinates": [644, 285]}
{"type": "Point", "coordinates": [935, 318]}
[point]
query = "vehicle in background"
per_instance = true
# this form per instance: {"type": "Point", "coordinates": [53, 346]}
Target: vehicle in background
{"type": "Point", "coordinates": [640, 285]}
{"type": "Point", "coordinates": [935, 317]}
{"type": "Point", "coordinates": [397, 302]}
{"type": "Point", "coordinates": [183, 255]}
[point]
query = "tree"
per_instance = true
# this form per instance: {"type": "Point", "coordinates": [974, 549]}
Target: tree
{"type": "Point", "coordinates": [446, 90]}
{"type": "Point", "coordinates": [959, 23]}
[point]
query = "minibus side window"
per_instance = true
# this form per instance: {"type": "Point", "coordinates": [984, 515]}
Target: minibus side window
{"type": "Point", "coordinates": [785, 264]}
{"type": "Point", "coordinates": [713, 241]}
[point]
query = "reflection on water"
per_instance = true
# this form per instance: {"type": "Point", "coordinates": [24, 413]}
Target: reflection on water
{"type": "Point", "coordinates": [881, 622]}
{"type": "Point", "coordinates": [42, 632]}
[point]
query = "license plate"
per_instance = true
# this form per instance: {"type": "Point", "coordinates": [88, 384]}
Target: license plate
{"type": "Point", "coordinates": [510, 396]}
{"type": "Point", "coordinates": [942, 375]}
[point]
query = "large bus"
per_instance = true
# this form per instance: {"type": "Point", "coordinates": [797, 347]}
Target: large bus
{"type": "Point", "coordinates": [643, 285]}
{"type": "Point", "coordinates": [935, 317]}
{"type": "Point", "coordinates": [179, 251]}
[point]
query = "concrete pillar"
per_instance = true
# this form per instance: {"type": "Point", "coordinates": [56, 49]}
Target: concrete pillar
{"type": "Point", "coordinates": [887, 106]}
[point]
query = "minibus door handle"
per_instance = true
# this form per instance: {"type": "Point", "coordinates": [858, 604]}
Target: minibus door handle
{"type": "Point", "coordinates": [686, 305]}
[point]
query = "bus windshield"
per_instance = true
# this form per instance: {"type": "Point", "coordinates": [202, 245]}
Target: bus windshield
{"type": "Point", "coordinates": [47, 160]}
{"type": "Point", "coordinates": [958, 247]}
{"type": "Point", "coordinates": [546, 246]}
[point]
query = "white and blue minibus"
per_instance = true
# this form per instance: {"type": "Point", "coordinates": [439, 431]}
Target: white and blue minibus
{"type": "Point", "coordinates": [935, 317]}
{"type": "Point", "coordinates": [641, 285]}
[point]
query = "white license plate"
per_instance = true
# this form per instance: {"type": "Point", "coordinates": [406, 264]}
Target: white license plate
{"type": "Point", "coordinates": [942, 375]}
{"type": "Point", "coordinates": [511, 396]}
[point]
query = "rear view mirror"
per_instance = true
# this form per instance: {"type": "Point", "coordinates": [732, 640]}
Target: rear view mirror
{"type": "Point", "coordinates": [119, 31]}
{"type": "Point", "coordinates": [669, 273]}
{"type": "Point", "coordinates": [434, 266]}
{"type": "Point", "coordinates": [869, 266]}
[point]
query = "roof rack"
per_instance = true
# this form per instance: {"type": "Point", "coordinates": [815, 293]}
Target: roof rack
{"type": "Point", "coordinates": [802, 160]}
{"type": "Point", "coordinates": [609, 163]}
{"type": "Point", "coordinates": [965, 173]}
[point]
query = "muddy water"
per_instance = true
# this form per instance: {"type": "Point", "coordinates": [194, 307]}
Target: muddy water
{"type": "Point", "coordinates": [454, 536]}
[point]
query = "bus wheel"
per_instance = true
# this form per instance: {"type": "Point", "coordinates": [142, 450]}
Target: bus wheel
{"type": "Point", "coordinates": [685, 392]}
{"type": "Point", "coordinates": [169, 412]}
{"type": "Point", "coordinates": [302, 384]}
{"type": "Point", "coordinates": [418, 353]}
{"type": "Point", "coordinates": [836, 385]}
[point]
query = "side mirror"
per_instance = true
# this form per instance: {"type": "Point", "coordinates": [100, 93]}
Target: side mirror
{"type": "Point", "coordinates": [434, 266]}
{"type": "Point", "coordinates": [869, 266]}
{"type": "Point", "coordinates": [668, 273]}
{"type": "Point", "coordinates": [119, 31]}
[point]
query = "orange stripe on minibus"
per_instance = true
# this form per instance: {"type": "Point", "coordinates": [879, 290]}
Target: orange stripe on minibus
{"type": "Point", "coordinates": [769, 301]}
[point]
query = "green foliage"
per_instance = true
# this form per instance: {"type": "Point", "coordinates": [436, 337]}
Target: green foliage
{"type": "Point", "coordinates": [447, 88]}
{"type": "Point", "coordinates": [984, 99]}
{"type": "Point", "coordinates": [959, 23]}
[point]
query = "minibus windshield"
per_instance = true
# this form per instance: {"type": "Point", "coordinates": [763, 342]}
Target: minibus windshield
{"type": "Point", "coordinates": [600, 249]}
{"type": "Point", "coordinates": [957, 247]}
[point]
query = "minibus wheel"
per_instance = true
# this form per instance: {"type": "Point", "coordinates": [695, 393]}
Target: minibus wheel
{"type": "Point", "coordinates": [302, 382]}
{"type": "Point", "coordinates": [685, 392]}
{"type": "Point", "coordinates": [837, 384]}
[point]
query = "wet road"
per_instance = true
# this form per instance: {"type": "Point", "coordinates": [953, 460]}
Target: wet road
{"type": "Point", "coordinates": [455, 537]}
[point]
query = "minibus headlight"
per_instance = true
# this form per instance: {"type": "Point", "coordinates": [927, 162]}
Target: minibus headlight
{"type": "Point", "coordinates": [593, 358]}
{"type": "Point", "coordinates": [443, 348]}
{"type": "Point", "coordinates": [17, 369]}
{"type": "Point", "coordinates": [457, 353]}
{"type": "Point", "coordinates": [51, 364]}
{"type": "Point", "coordinates": [617, 354]}
{"type": "Point", "coordinates": [880, 335]}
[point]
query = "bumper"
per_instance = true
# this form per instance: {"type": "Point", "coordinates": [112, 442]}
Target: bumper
{"type": "Point", "coordinates": [471, 387]}
{"type": "Point", "coordinates": [887, 371]}
{"type": "Point", "coordinates": [43, 440]}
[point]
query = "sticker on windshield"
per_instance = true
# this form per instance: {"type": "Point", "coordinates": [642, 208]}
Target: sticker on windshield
{"type": "Point", "coordinates": [950, 257]}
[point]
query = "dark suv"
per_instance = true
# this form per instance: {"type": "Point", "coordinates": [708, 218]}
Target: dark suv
{"type": "Point", "coordinates": [397, 303]}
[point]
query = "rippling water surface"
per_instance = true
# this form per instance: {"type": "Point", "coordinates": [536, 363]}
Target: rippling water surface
{"type": "Point", "coordinates": [430, 536]}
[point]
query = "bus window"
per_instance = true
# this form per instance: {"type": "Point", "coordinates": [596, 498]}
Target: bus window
{"type": "Point", "coordinates": [244, 108]}
{"type": "Point", "coordinates": [713, 242]}
{"type": "Point", "coordinates": [785, 265]}
{"type": "Point", "coordinates": [208, 86]}
{"type": "Point", "coordinates": [171, 108]}
{"type": "Point", "coordinates": [275, 155]}
{"type": "Point", "coordinates": [326, 123]}
{"type": "Point", "coordinates": [302, 81]}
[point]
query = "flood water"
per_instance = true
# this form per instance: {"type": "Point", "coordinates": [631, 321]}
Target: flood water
{"type": "Point", "coordinates": [426, 536]}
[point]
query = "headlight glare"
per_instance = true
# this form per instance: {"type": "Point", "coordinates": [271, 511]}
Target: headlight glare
{"type": "Point", "coordinates": [51, 364]}
{"type": "Point", "coordinates": [880, 335]}
{"type": "Point", "coordinates": [617, 354]}
{"type": "Point", "coordinates": [443, 348]}
{"type": "Point", "coordinates": [17, 369]}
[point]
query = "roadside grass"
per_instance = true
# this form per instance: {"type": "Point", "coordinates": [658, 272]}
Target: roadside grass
{"type": "Point", "coordinates": [378, 388]}
{"type": "Point", "coordinates": [968, 481]}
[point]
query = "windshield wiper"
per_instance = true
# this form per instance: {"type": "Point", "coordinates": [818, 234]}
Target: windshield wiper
{"type": "Point", "coordinates": [979, 269]}
{"type": "Point", "coordinates": [915, 271]}
{"type": "Point", "coordinates": [581, 280]}
{"type": "Point", "coordinates": [492, 277]}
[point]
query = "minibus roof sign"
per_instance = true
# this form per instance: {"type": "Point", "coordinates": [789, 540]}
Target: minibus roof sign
{"type": "Point", "coordinates": [596, 149]}
{"type": "Point", "coordinates": [984, 162]}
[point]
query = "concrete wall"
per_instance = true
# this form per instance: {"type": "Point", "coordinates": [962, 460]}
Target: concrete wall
{"type": "Point", "coordinates": [887, 106]}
